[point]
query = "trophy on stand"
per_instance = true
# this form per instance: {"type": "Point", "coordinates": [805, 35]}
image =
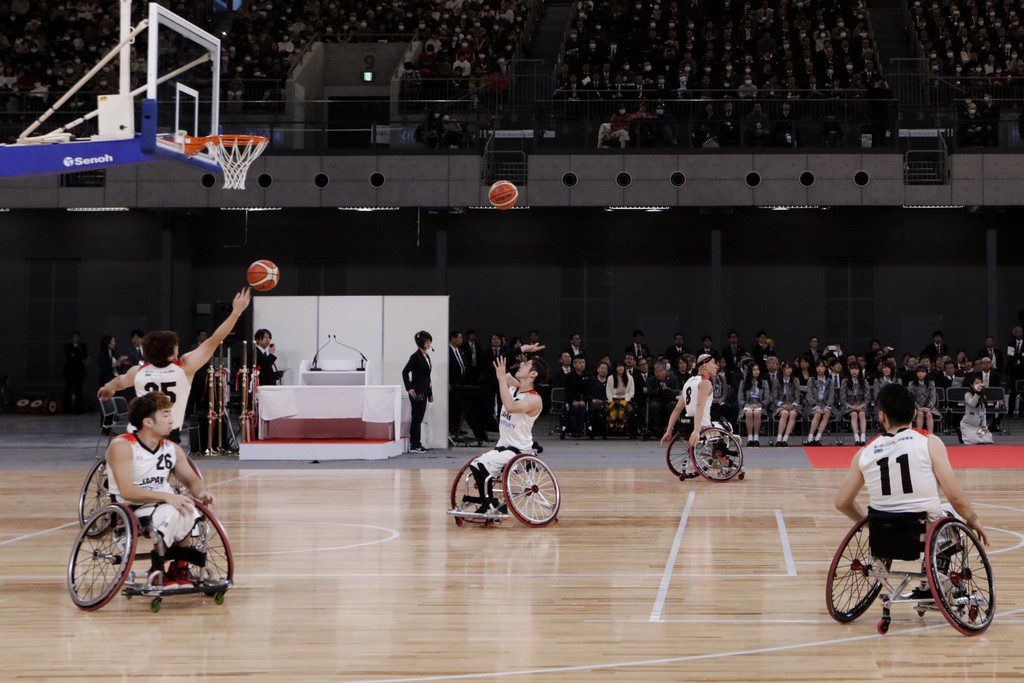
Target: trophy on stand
{"type": "Point", "coordinates": [244, 378]}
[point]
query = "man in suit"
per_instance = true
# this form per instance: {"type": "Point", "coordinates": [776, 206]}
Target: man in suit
{"type": "Point", "coordinates": [265, 358]}
{"type": "Point", "coordinates": [575, 347]}
{"type": "Point", "coordinates": [559, 374]}
{"type": "Point", "coordinates": [75, 355]}
{"type": "Point", "coordinates": [135, 350]}
{"type": "Point", "coordinates": [1014, 367]}
{"type": "Point", "coordinates": [677, 349]}
{"type": "Point", "coordinates": [458, 377]}
{"type": "Point", "coordinates": [813, 351]}
{"type": "Point", "coordinates": [989, 378]}
{"type": "Point", "coordinates": [638, 348]}
{"type": "Point", "coordinates": [662, 392]}
{"type": "Point", "coordinates": [577, 395]}
{"type": "Point", "coordinates": [948, 377]}
{"type": "Point", "coordinates": [706, 346]}
{"type": "Point", "coordinates": [472, 351]}
{"type": "Point", "coordinates": [993, 354]}
{"type": "Point", "coordinates": [416, 378]}
{"type": "Point", "coordinates": [731, 355]}
{"type": "Point", "coordinates": [773, 375]}
{"type": "Point", "coordinates": [763, 347]}
{"type": "Point", "coordinates": [936, 349]}
{"type": "Point", "coordinates": [533, 339]}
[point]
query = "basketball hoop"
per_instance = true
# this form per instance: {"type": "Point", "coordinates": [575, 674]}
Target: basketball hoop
{"type": "Point", "coordinates": [233, 153]}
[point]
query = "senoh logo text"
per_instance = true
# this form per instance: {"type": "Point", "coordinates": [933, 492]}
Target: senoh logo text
{"type": "Point", "coordinates": [87, 161]}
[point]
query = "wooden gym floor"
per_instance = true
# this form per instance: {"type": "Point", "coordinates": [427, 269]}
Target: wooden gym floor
{"type": "Point", "coordinates": [357, 575]}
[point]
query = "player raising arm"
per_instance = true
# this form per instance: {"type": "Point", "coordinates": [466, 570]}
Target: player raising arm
{"type": "Point", "coordinates": [165, 372]}
{"type": "Point", "coordinates": [904, 468]}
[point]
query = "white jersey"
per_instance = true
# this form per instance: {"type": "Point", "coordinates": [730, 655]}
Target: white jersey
{"type": "Point", "coordinates": [690, 398]}
{"type": "Point", "coordinates": [515, 430]}
{"type": "Point", "coordinates": [171, 380]}
{"type": "Point", "coordinates": [150, 469]}
{"type": "Point", "coordinates": [898, 473]}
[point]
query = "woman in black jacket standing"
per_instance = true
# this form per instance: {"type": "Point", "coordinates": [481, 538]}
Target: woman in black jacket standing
{"type": "Point", "coordinates": [416, 377]}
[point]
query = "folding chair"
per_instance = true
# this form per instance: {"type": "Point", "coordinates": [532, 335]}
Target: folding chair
{"type": "Point", "coordinates": [955, 406]}
{"type": "Point", "coordinates": [557, 409]}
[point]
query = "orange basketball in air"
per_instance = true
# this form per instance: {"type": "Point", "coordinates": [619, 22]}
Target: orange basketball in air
{"type": "Point", "coordinates": [503, 195]}
{"type": "Point", "coordinates": [263, 275]}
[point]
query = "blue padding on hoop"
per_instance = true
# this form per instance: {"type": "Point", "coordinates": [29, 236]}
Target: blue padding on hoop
{"type": "Point", "coordinates": [69, 157]}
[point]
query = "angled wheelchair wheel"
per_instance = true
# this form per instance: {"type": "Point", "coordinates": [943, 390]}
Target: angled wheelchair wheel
{"type": "Point", "coordinates": [176, 484]}
{"type": "Point", "coordinates": [531, 491]}
{"type": "Point", "coordinates": [100, 562]}
{"type": "Point", "coordinates": [463, 487]}
{"type": "Point", "coordinates": [849, 588]}
{"type": "Point", "coordinates": [718, 455]}
{"type": "Point", "coordinates": [677, 455]}
{"type": "Point", "coordinates": [960, 576]}
{"type": "Point", "coordinates": [207, 536]}
{"type": "Point", "coordinates": [94, 495]}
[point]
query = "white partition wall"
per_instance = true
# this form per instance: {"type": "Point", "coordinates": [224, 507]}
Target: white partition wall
{"type": "Point", "coordinates": [404, 316]}
{"type": "Point", "coordinates": [359, 322]}
{"type": "Point", "coordinates": [292, 321]}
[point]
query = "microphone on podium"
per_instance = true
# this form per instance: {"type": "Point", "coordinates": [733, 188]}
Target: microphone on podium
{"type": "Point", "coordinates": [313, 367]}
{"type": "Point", "coordinates": [362, 367]}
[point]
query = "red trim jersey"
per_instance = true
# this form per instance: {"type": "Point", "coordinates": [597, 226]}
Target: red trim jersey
{"type": "Point", "coordinates": [898, 473]}
{"type": "Point", "coordinates": [171, 380]}
{"type": "Point", "coordinates": [516, 429]}
{"type": "Point", "coordinates": [150, 469]}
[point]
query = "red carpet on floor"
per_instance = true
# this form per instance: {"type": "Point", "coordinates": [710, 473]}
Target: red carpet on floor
{"type": "Point", "coordinates": [961, 457]}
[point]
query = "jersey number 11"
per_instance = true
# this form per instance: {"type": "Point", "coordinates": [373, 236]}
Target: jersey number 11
{"type": "Point", "coordinates": [883, 466]}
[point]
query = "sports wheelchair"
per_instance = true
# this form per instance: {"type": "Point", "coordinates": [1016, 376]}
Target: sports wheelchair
{"type": "Point", "coordinates": [527, 490]}
{"type": "Point", "coordinates": [96, 492]}
{"type": "Point", "coordinates": [955, 577]}
{"type": "Point", "coordinates": [717, 457]}
{"type": "Point", "coordinates": [106, 547]}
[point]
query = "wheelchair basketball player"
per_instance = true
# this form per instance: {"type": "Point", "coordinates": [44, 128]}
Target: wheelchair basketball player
{"type": "Point", "coordinates": [163, 371]}
{"type": "Point", "coordinates": [902, 470]}
{"type": "Point", "coordinates": [695, 400]}
{"type": "Point", "coordinates": [139, 465]}
{"type": "Point", "coordinates": [520, 407]}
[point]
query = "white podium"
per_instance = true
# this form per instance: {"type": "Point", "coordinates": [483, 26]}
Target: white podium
{"type": "Point", "coordinates": [332, 373]}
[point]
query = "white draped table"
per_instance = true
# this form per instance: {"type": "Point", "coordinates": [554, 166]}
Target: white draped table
{"type": "Point", "coordinates": [332, 412]}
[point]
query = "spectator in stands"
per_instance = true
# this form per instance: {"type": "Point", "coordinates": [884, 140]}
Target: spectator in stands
{"type": "Point", "coordinates": [662, 389]}
{"type": "Point", "coordinates": [909, 370]}
{"type": "Point", "coordinates": [784, 131]}
{"type": "Point", "coordinates": [757, 131]}
{"type": "Point", "coordinates": [616, 131]}
{"type": "Point", "coordinates": [992, 353]}
{"type": "Point", "coordinates": [948, 378]}
{"type": "Point", "coordinates": [678, 348]}
{"type": "Point", "coordinates": [638, 348]}
{"type": "Point", "coordinates": [731, 354]}
{"type": "Point", "coordinates": [665, 127]}
{"type": "Point", "coordinates": [754, 397]}
{"type": "Point", "coordinates": [820, 401]}
{"type": "Point", "coordinates": [887, 374]}
{"type": "Point", "coordinates": [577, 395]}
{"type": "Point", "coordinates": [724, 407]}
{"type": "Point", "coordinates": [562, 371]}
{"type": "Point", "coordinates": [706, 346]}
{"type": "Point", "coordinates": [134, 354]}
{"type": "Point", "coordinates": [682, 370]}
{"type": "Point", "coordinates": [472, 352]}
{"type": "Point", "coordinates": [855, 397]}
{"type": "Point", "coordinates": [705, 129]}
{"type": "Point", "coordinates": [109, 362]}
{"type": "Point", "coordinates": [786, 399]}
{"type": "Point", "coordinates": [728, 126]}
{"type": "Point", "coordinates": [772, 375]}
{"type": "Point", "coordinates": [937, 348]}
{"type": "Point", "coordinates": [763, 347]}
{"type": "Point", "coordinates": [961, 362]}
{"type": "Point", "coordinates": [619, 391]}
{"type": "Point", "coordinates": [972, 129]}
{"type": "Point", "coordinates": [805, 374]}
{"type": "Point", "coordinates": [575, 348]}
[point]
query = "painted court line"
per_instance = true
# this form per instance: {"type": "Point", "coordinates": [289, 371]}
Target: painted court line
{"type": "Point", "coordinates": [670, 564]}
{"type": "Point", "coordinates": [669, 660]}
{"type": "Point", "coordinates": [75, 522]}
{"type": "Point", "coordinates": [787, 551]}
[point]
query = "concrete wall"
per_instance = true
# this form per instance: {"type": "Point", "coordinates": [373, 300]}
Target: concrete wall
{"type": "Point", "coordinates": [505, 270]}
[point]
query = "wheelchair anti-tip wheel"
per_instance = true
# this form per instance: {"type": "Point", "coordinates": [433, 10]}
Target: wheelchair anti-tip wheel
{"type": "Point", "coordinates": [100, 560]}
{"type": "Point", "coordinates": [94, 495]}
{"type": "Point", "coordinates": [718, 455]}
{"type": "Point", "coordinates": [531, 491]}
{"type": "Point", "coordinates": [849, 587]}
{"type": "Point", "coordinates": [960, 576]}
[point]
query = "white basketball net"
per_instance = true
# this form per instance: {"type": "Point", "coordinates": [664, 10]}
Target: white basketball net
{"type": "Point", "coordinates": [235, 156]}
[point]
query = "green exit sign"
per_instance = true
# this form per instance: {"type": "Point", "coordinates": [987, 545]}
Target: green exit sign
{"type": "Point", "coordinates": [367, 77]}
